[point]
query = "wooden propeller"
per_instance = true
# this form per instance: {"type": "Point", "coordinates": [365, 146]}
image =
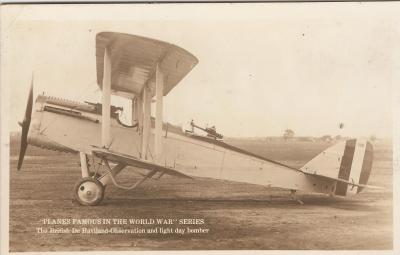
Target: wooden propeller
{"type": "Point", "coordinates": [25, 127]}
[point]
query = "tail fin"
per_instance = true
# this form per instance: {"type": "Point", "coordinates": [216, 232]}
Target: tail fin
{"type": "Point", "coordinates": [348, 162]}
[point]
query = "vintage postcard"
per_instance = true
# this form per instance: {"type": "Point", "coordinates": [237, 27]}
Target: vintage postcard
{"type": "Point", "coordinates": [199, 126]}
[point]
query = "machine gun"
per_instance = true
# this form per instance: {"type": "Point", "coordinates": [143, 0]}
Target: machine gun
{"type": "Point", "coordinates": [114, 111]}
{"type": "Point", "coordinates": [211, 132]}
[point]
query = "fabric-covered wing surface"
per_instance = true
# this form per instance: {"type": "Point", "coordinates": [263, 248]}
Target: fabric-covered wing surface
{"type": "Point", "coordinates": [132, 161]}
{"type": "Point", "coordinates": [134, 60]}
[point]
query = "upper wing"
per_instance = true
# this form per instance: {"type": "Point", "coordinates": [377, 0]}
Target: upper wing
{"type": "Point", "coordinates": [134, 60]}
{"type": "Point", "coordinates": [132, 161]}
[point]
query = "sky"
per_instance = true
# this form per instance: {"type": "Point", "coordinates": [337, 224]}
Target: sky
{"type": "Point", "coordinates": [263, 68]}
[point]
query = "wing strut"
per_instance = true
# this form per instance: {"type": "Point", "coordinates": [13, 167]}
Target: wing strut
{"type": "Point", "coordinates": [146, 122]}
{"type": "Point", "coordinates": [106, 98]}
{"type": "Point", "coordinates": [142, 110]}
{"type": "Point", "coordinates": [159, 113]}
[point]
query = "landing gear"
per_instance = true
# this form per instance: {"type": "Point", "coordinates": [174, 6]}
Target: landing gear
{"type": "Point", "coordinates": [293, 196]}
{"type": "Point", "coordinates": [91, 188]}
{"type": "Point", "coordinates": [89, 191]}
{"type": "Point", "coordinates": [94, 175]}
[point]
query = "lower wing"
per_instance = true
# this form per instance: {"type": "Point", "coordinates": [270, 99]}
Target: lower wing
{"type": "Point", "coordinates": [136, 162]}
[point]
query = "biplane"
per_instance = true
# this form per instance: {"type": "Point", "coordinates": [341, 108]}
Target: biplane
{"type": "Point", "coordinates": [145, 70]}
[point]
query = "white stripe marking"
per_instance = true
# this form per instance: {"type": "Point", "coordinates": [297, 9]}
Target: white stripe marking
{"type": "Point", "coordinates": [356, 165]}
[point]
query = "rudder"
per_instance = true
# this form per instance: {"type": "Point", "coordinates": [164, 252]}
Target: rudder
{"type": "Point", "coordinates": [349, 161]}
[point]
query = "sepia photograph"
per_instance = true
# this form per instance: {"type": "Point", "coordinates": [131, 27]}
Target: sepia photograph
{"type": "Point", "coordinates": [198, 126]}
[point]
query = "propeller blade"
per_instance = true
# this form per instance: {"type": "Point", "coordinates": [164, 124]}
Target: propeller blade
{"type": "Point", "coordinates": [22, 150]}
{"type": "Point", "coordinates": [25, 127]}
{"type": "Point", "coordinates": [28, 111]}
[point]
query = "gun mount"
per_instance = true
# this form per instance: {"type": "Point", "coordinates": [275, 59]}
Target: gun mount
{"type": "Point", "coordinates": [211, 131]}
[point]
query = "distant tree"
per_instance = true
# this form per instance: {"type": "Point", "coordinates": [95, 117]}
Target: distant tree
{"type": "Point", "coordinates": [288, 134]}
{"type": "Point", "coordinates": [326, 138]}
{"type": "Point", "coordinates": [372, 138]}
{"type": "Point", "coordinates": [338, 137]}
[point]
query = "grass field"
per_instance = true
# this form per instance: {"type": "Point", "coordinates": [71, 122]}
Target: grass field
{"type": "Point", "coordinates": [238, 215]}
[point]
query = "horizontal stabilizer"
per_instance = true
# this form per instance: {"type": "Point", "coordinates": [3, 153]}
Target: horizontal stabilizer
{"type": "Point", "coordinates": [350, 184]}
{"type": "Point", "coordinates": [136, 162]}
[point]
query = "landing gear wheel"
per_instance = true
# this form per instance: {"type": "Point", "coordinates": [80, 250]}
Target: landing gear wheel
{"type": "Point", "coordinates": [89, 191]}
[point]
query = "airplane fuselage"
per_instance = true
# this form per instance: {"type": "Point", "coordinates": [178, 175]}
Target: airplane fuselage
{"type": "Point", "coordinates": [75, 127]}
